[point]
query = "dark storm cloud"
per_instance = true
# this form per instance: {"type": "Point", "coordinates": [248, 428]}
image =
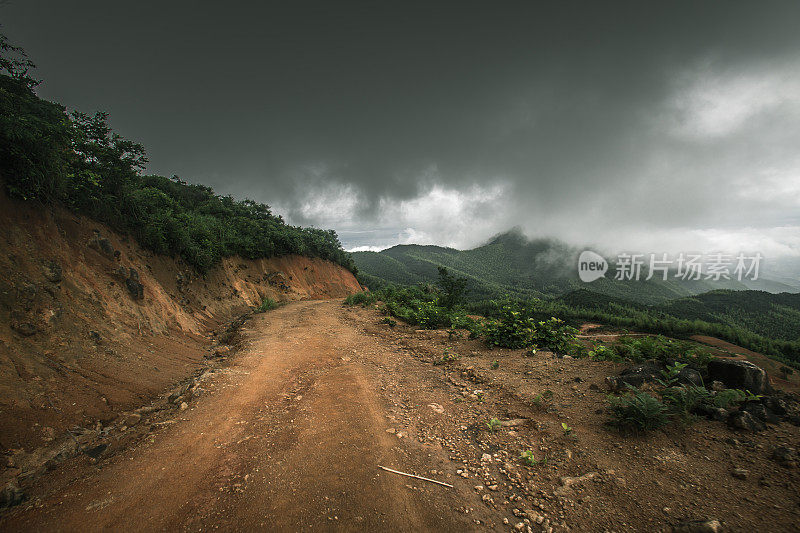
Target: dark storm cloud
{"type": "Point", "coordinates": [560, 117]}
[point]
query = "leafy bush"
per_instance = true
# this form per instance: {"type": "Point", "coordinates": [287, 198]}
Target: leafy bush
{"type": "Point", "coordinates": [453, 288]}
{"type": "Point", "coordinates": [728, 397]}
{"type": "Point", "coordinates": [431, 316]}
{"type": "Point", "coordinates": [363, 298]}
{"type": "Point", "coordinates": [512, 330]}
{"type": "Point", "coordinates": [555, 335]}
{"type": "Point", "coordinates": [604, 353]}
{"type": "Point", "coordinates": [682, 401]}
{"type": "Point", "coordinates": [637, 411]}
{"type": "Point", "coordinates": [267, 304]}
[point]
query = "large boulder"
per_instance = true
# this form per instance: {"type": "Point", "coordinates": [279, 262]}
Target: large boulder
{"type": "Point", "coordinates": [738, 374]}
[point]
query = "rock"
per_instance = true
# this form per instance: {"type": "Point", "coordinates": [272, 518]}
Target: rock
{"type": "Point", "coordinates": [568, 482]}
{"type": "Point", "coordinates": [11, 495]}
{"type": "Point", "coordinates": [786, 456]}
{"type": "Point", "coordinates": [740, 473]}
{"type": "Point", "coordinates": [95, 451]}
{"type": "Point", "coordinates": [121, 273]}
{"type": "Point", "coordinates": [101, 244]}
{"type": "Point", "coordinates": [184, 406]}
{"type": "Point", "coordinates": [436, 408]}
{"type": "Point", "coordinates": [746, 421]}
{"type": "Point", "coordinates": [717, 386]}
{"type": "Point", "coordinates": [132, 419]}
{"type": "Point", "coordinates": [738, 374]}
{"type": "Point", "coordinates": [134, 275]}
{"type": "Point", "coordinates": [135, 288]}
{"type": "Point", "coordinates": [760, 412]}
{"type": "Point", "coordinates": [775, 404]}
{"type": "Point", "coordinates": [52, 271]}
{"type": "Point", "coordinates": [698, 526]}
{"type": "Point", "coordinates": [635, 376]}
{"type": "Point", "coordinates": [690, 376]}
{"type": "Point", "coordinates": [486, 458]}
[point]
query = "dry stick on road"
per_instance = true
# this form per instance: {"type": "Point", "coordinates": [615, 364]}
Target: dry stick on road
{"type": "Point", "coordinates": [416, 476]}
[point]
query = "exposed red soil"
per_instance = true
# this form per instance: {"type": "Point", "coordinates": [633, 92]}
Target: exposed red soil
{"type": "Point", "coordinates": [77, 349]}
{"type": "Point", "coordinates": [290, 434]}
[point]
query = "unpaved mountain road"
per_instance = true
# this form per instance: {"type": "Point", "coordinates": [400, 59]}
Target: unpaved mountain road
{"type": "Point", "coordinates": [288, 439]}
{"type": "Point", "coordinates": [288, 434]}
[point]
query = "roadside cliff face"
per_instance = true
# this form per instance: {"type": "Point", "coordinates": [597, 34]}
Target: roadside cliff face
{"type": "Point", "coordinates": [91, 324]}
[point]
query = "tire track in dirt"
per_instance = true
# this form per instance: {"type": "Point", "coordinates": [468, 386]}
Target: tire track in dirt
{"type": "Point", "coordinates": [290, 439]}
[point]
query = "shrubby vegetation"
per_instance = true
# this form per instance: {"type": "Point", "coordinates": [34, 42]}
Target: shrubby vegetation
{"type": "Point", "coordinates": [267, 304]}
{"type": "Point", "coordinates": [641, 411]}
{"type": "Point", "coordinates": [76, 160]}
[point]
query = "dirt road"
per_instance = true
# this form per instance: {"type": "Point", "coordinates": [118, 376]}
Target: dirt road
{"type": "Point", "coordinates": [289, 433]}
{"type": "Point", "coordinates": [290, 438]}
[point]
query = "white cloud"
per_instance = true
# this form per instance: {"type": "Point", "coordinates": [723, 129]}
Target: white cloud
{"type": "Point", "coordinates": [710, 104]}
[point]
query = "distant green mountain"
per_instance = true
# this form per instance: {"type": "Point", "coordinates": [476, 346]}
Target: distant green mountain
{"type": "Point", "coordinates": [776, 316]}
{"type": "Point", "coordinates": [514, 265]}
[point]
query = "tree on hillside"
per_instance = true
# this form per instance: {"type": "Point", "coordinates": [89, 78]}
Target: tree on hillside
{"type": "Point", "coordinates": [453, 289]}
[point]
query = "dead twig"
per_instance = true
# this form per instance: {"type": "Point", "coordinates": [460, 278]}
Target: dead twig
{"type": "Point", "coordinates": [416, 476]}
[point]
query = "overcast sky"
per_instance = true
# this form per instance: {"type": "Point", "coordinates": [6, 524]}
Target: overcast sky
{"type": "Point", "coordinates": [656, 126]}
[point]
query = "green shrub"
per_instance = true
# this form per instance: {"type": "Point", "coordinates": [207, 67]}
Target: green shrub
{"type": "Point", "coordinates": [554, 334]}
{"type": "Point", "coordinates": [682, 401]}
{"type": "Point", "coordinates": [637, 411]}
{"type": "Point", "coordinates": [431, 316]}
{"type": "Point", "coordinates": [604, 353]}
{"type": "Point", "coordinates": [267, 304]}
{"type": "Point", "coordinates": [447, 357]}
{"type": "Point", "coordinates": [511, 330]}
{"type": "Point", "coordinates": [363, 298]}
{"type": "Point", "coordinates": [728, 397]}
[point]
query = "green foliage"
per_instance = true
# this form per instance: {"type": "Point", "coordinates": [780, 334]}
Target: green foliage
{"type": "Point", "coordinates": [493, 424]}
{"type": "Point", "coordinates": [529, 459]}
{"type": "Point", "coordinates": [47, 155]}
{"type": "Point", "coordinates": [669, 376]}
{"type": "Point", "coordinates": [495, 364]}
{"type": "Point", "coordinates": [432, 316]}
{"type": "Point", "coordinates": [728, 397]}
{"type": "Point", "coordinates": [637, 411]}
{"type": "Point", "coordinates": [447, 357]}
{"type": "Point", "coordinates": [453, 288]}
{"type": "Point", "coordinates": [555, 335]}
{"type": "Point", "coordinates": [682, 400]}
{"type": "Point", "coordinates": [543, 398]}
{"type": "Point", "coordinates": [363, 299]}
{"type": "Point", "coordinates": [513, 329]}
{"type": "Point", "coordinates": [267, 304]}
{"type": "Point", "coordinates": [566, 429]}
{"type": "Point", "coordinates": [604, 353]}
{"type": "Point", "coordinates": [389, 322]}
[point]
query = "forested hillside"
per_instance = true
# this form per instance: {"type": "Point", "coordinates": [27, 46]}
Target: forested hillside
{"type": "Point", "coordinates": [50, 156]}
{"type": "Point", "coordinates": [510, 264]}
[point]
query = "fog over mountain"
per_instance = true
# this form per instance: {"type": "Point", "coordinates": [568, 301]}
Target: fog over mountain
{"type": "Point", "coordinates": [660, 127]}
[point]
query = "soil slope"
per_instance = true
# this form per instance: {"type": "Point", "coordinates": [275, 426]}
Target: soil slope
{"type": "Point", "coordinates": [92, 325]}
